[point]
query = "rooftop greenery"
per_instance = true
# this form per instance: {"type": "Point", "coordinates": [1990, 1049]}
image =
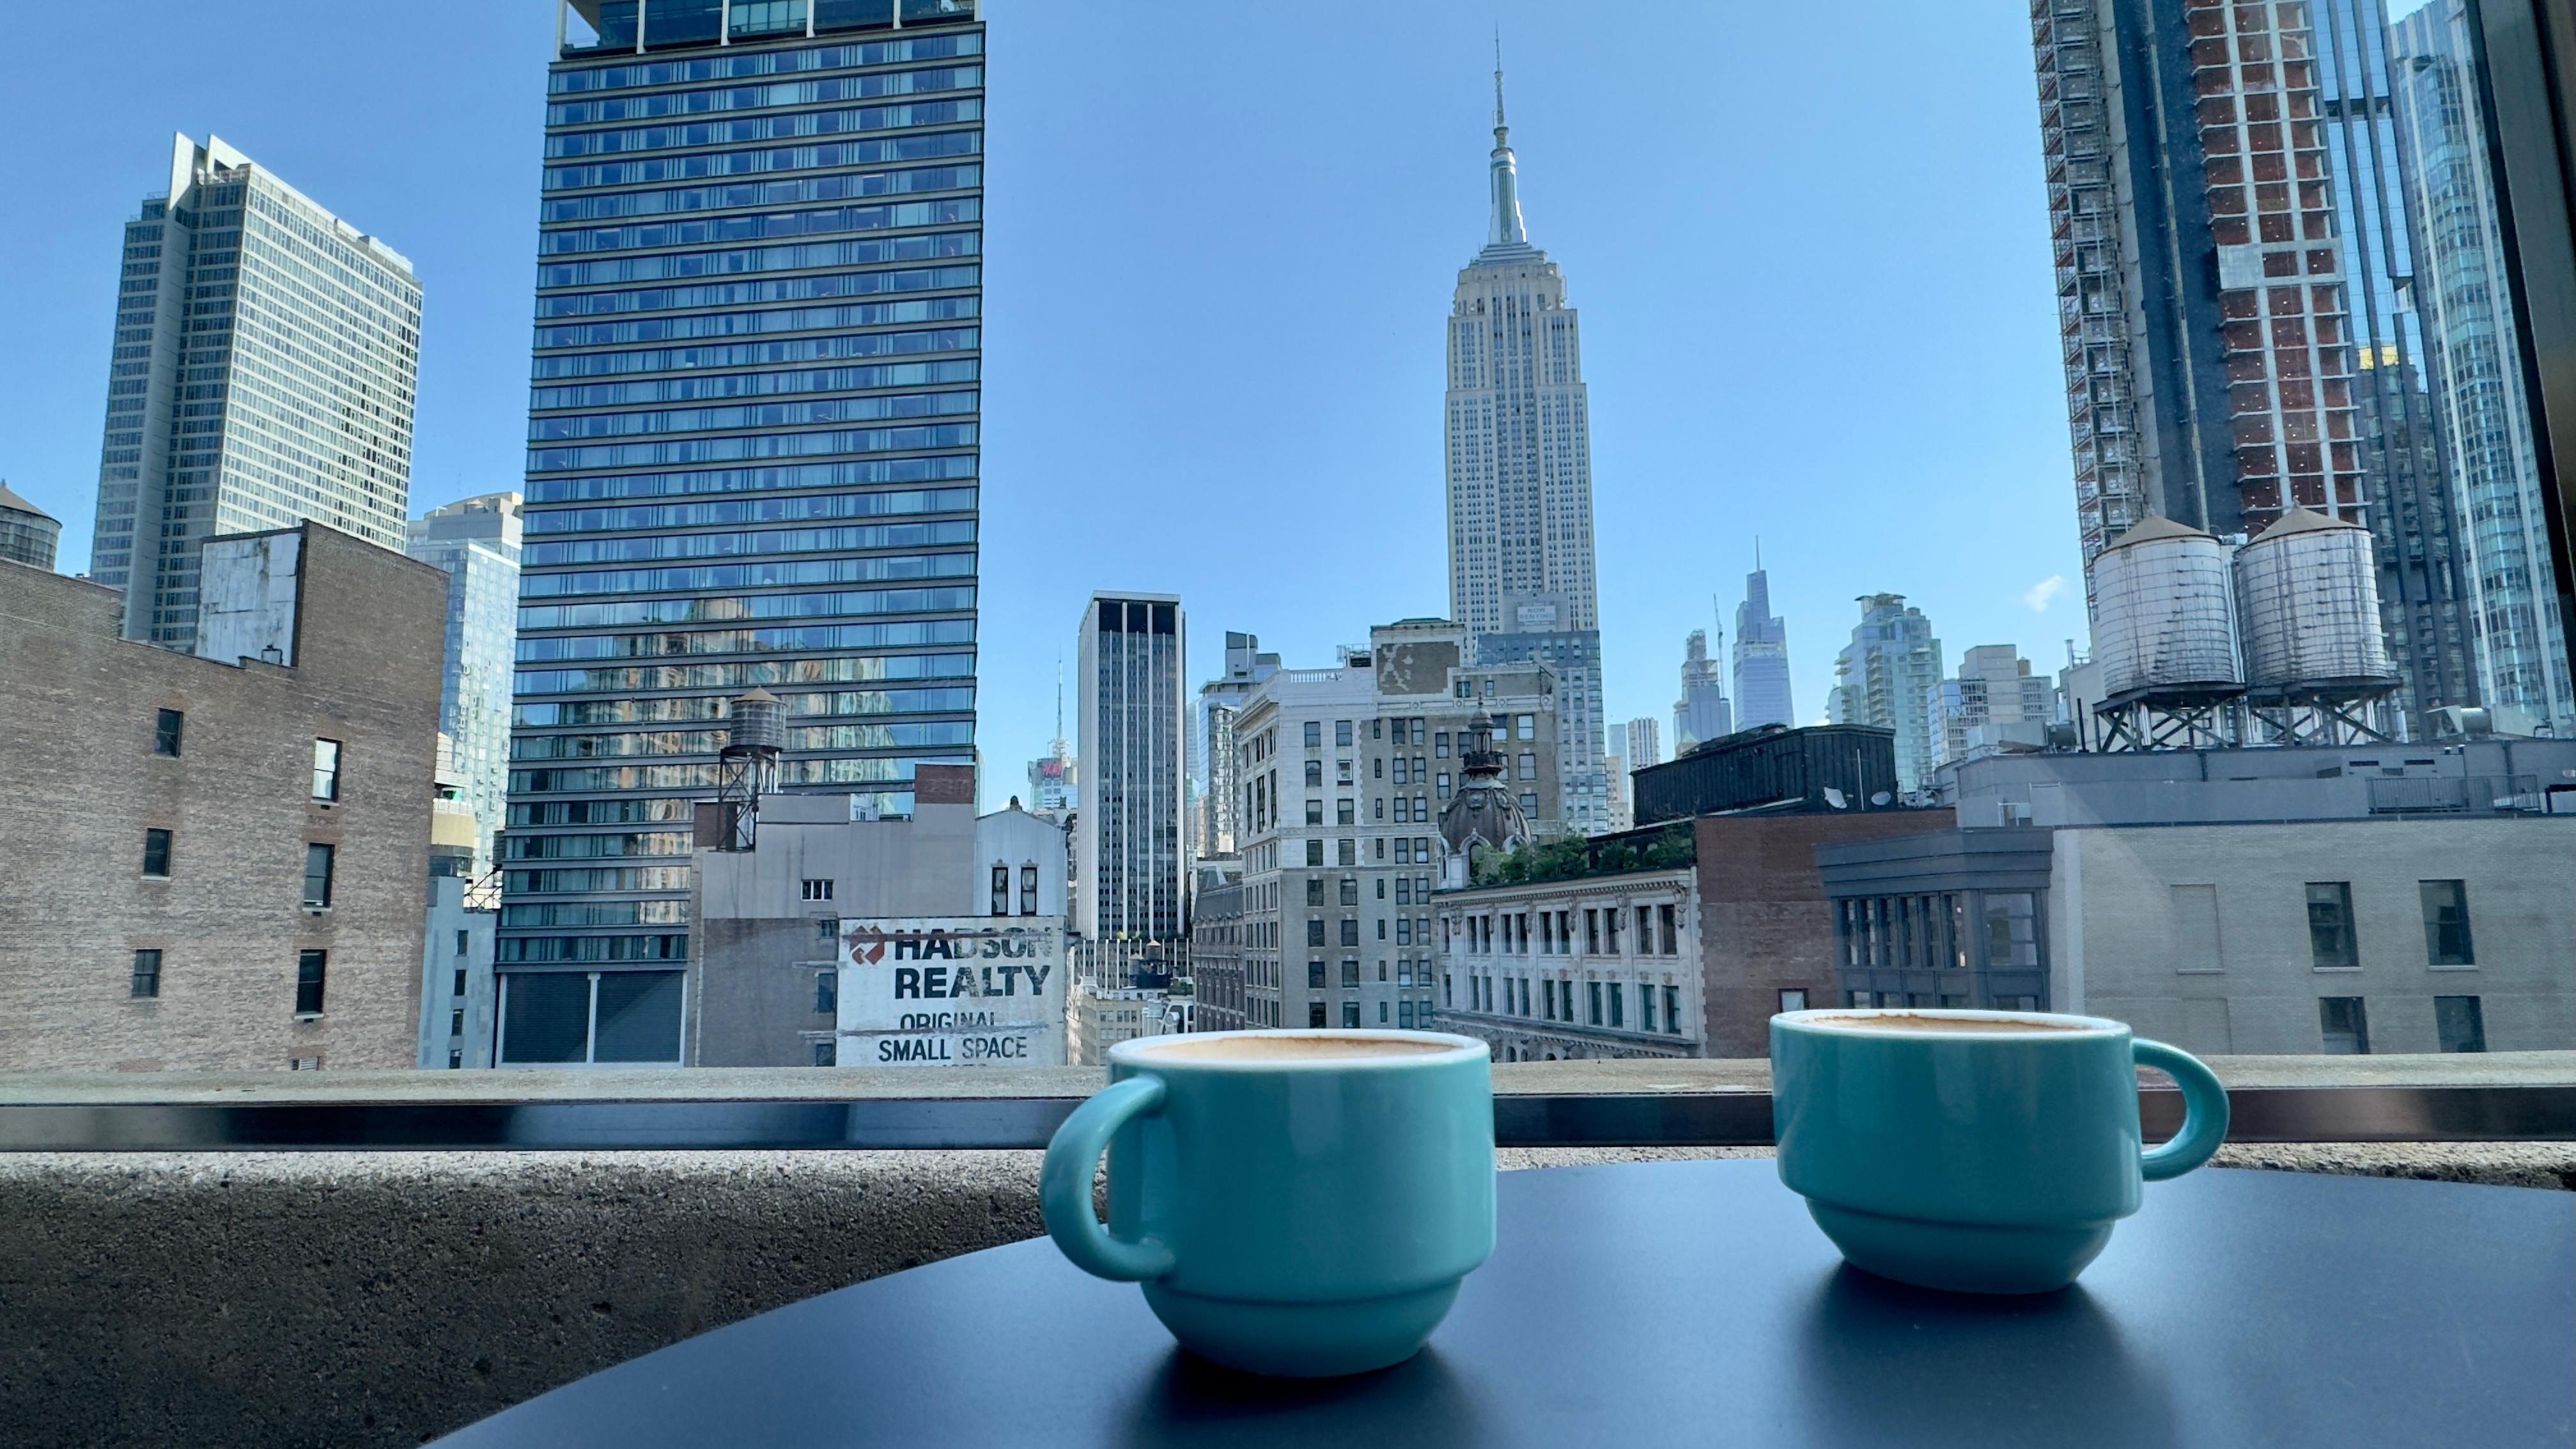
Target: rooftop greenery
{"type": "Point", "coordinates": [1574, 857]}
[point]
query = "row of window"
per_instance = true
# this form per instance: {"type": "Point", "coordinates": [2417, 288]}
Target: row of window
{"type": "Point", "coordinates": [1658, 932]}
{"type": "Point", "coordinates": [873, 472]}
{"type": "Point", "coordinates": [722, 578]}
{"type": "Point", "coordinates": [566, 144]}
{"type": "Point", "coordinates": [2335, 941]}
{"type": "Point", "coordinates": [844, 253]}
{"type": "Point", "coordinates": [706, 165]}
{"type": "Point", "coordinates": [1605, 1002]}
{"type": "Point", "coordinates": [311, 969]}
{"type": "Point", "coordinates": [707, 388]}
{"type": "Point", "coordinates": [825, 287]}
{"type": "Point", "coordinates": [722, 66]}
{"type": "Point", "coordinates": [169, 733]}
{"type": "Point", "coordinates": [318, 859]}
{"type": "Point", "coordinates": [1409, 731]}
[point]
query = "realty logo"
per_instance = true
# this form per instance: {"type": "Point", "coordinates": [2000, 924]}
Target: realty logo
{"type": "Point", "coordinates": [869, 952]}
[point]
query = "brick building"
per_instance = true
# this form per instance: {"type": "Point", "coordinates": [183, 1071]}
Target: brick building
{"type": "Point", "coordinates": [1766, 928]}
{"type": "Point", "coordinates": [220, 861]}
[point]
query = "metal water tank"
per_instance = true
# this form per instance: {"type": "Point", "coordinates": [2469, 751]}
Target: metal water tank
{"type": "Point", "coordinates": [2307, 593]}
{"type": "Point", "coordinates": [2164, 612]}
{"type": "Point", "coordinates": [755, 722]}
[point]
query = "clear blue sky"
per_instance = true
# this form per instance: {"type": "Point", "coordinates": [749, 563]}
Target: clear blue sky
{"type": "Point", "coordinates": [1811, 258]}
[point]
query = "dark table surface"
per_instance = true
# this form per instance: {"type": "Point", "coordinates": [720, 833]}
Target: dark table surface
{"type": "Point", "coordinates": [1695, 1303]}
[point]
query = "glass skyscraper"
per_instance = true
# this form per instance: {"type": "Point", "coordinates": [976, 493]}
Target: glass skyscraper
{"type": "Point", "coordinates": [2463, 296]}
{"type": "Point", "coordinates": [1518, 435]}
{"type": "Point", "coordinates": [476, 540]}
{"type": "Point", "coordinates": [752, 460]}
{"type": "Point", "coordinates": [267, 355]}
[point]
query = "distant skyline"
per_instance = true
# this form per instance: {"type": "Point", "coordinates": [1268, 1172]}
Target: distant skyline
{"type": "Point", "coordinates": [1220, 336]}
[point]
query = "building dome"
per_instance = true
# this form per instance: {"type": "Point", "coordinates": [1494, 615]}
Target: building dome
{"type": "Point", "coordinates": [1483, 811]}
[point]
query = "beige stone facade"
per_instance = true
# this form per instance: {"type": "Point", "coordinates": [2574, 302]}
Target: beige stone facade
{"type": "Point", "coordinates": [85, 777]}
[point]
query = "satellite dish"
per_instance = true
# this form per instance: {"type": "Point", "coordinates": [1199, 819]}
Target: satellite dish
{"type": "Point", "coordinates": [1834, 798]}
{"type": "Point", "coordinates": [1881, 798]}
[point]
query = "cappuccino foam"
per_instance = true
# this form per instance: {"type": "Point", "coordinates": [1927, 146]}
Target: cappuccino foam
{"type": "Point", "coordinates": [1899, 1023]}
{"type": "Point", "coordinates": [1229, 1048]}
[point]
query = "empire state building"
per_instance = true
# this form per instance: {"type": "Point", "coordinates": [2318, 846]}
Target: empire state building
{"type": "Point", "coordinates": [1519, 443]}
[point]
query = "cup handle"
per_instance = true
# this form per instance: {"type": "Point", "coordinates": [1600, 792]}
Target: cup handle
{"type": "Point", "coordinates": [1064, 1184]}
{"type": "Point", "coordinates": [2204, 1110]}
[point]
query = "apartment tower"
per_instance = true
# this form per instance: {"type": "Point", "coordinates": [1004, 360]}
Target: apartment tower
{"type": "Point", "coordinates": [2233, 277]}
{"type": "Point", "coordinates": [266, 358]}
{"type": "Point", "coordinates": [752, 448]}
{"type": "Point", "coordinates": [1519, 444]}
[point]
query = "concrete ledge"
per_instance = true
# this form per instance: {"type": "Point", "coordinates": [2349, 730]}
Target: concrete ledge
{"type": "Point", "coordinates": [382, 1299]}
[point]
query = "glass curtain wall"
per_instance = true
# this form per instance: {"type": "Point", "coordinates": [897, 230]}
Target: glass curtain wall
{"type": "Point", "coordinates": [752, 453]}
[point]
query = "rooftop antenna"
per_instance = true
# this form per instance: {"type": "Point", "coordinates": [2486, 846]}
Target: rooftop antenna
{"type": "Point", "coordinates": [1059, 705]}
{"type": "Point", "coordinates": [1498, 79]}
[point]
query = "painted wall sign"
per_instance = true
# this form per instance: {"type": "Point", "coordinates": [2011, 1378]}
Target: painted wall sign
{"type": "Point", "coordinates": [947, 991]}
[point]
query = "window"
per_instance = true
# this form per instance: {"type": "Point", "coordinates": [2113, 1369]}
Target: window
{"type": "Point", "coordinates": [827, 1054]}
{"type": "Point", "coordinates": [1525, 727]}
{"type": "Point", "coordinates": [165, 732]}
{"type": "Point", "coordinates": [455, 1061]}
{"type": "Point", "coordinates": [1315, 931]}
{"type": "Point", "coordinates": [156, 854]}
{"type": "Point", "coordinates": [1618, 996]}
{"type": "Point", "coordinates": [1342, 733]}
{"type": "Point", "coordinates": [2344, 1025]}
{"type": "Point", "coordinates": [2446, 929]}
{"type": "Point", "coordinates": [456, 1023]}
{"type": "Point", "coordinates": [1381, 1013]}
{"type": "Point", "coordinates": [309, 969]}
{"type": "Point", "coordinates": [1315, 1014]}
{"type": "Point", "coordinates": [1672, 940]}
{"type": "Point", "coordinates": [1404, 1015]}
{"type": "Point", "coordinates": [817, 890]}
{"type": "Point", "coordinates": [1028, 890]}
{"type": "Point", "coordinates": [1793, 1001]}
{"type": "Point", "coordinates": [1314, 890]}
{"type": "Point", "coordinates": [1440, 785]}
{"type": "Point", "coordinates": [1314, 734]}
{"type": "Point", "coordinates": [2457, 1020]}
{"type": "Point", "coordinates": [317, 876]}
{"type": "Point", "coordinates": [1001, 890]}
{"type": "Point", "coordinates": [1348, 851]}
{"type": "Point", "coordinates": [1440, 744]}
{"type": "Point", "coordinates": [1350, 932]}
{"type": "Point", "coordinates": [1314, 854]}
{"type": "Point", "coordinates": [1645, 931]}
{"type": "Point", "coordinates": [1315, 774]}
{"type": "Point", "coordinates": [1314, 812]}
{"type": "Point", "coordinates": [1592, 993]}
{"type": "Point", "coordinates": [1547, 999]}
{"type": "Point", "coordinates": [146, 982]}
{"type": "Point", "coordinates": [1377, 768]}
{"type": "Point", "coordinates": [326, 769]}
{"type": "Point", "coordinates": [1529, 765]}
{"type": "Point", "coordinates": [2330, 935]}
{"type": "Point", "coordinates": [1673, 1010]}
{"type": "Point", "coordinates": [460, 982]}
{"type": "Point", "coordinates": [1344, 812]}
{"type": "Point", "coordinates": [464, 944]}
{"type": "Point", "coordinates": [1350, 971]}
{"type": "Point", "coordinates": [1350, 890]}
{"type": "Point", "coordinates": [1645, 1007]}
{"type": "Point", "coordinates": [1314, 975]}
{"type": "Point", "coordinates": [827, 993]}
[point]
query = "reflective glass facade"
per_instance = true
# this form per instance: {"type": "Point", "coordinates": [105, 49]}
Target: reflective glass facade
{"type": "Point", "coordinates": [477, 542]}
{"type": "Point", "coordinates": [267, 355]}
{"type": "Point", "coordinates": [752, 440]}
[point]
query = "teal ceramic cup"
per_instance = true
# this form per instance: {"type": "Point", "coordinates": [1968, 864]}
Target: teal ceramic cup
{"type": "Point", "coordinates": [1295, 1203]}
{"type": "Point", "coordinates": [1978, 1151]}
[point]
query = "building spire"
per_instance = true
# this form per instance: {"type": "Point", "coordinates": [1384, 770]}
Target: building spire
{"type": "Point", "coordinates": [1506, 228]}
